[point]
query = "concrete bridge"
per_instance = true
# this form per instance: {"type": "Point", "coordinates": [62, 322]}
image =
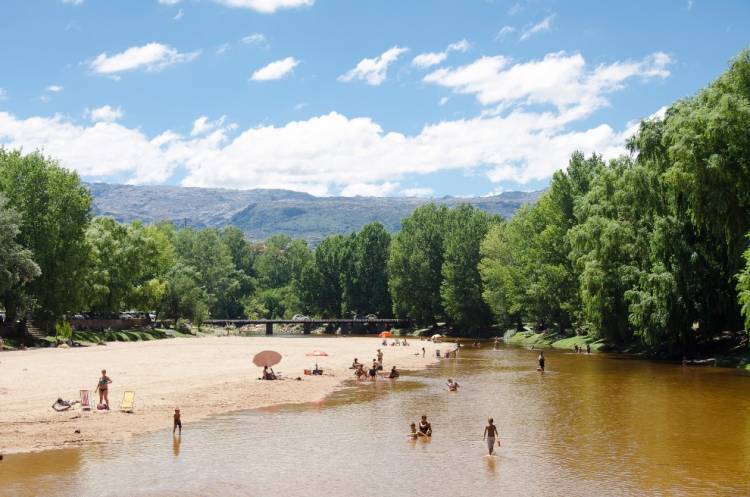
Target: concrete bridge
{"type": "Point", "coordinates": [309, 324]}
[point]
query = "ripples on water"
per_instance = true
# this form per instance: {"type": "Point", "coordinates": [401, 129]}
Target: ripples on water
{"type": "Point", "coordinates": [590, 426]}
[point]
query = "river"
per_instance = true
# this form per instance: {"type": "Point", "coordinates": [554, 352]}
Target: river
{"type": "Point", "coordinates": [592, 425]}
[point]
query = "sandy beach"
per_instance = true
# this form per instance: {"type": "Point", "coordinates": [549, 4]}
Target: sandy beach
{"type": "Point", "coordinates": [201, 376]}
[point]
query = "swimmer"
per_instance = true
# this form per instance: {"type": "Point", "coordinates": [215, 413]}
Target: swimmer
{"type": "Point", "coordinates": [425, 428]}
{"type": "Point", "coordinates": [452, 385]}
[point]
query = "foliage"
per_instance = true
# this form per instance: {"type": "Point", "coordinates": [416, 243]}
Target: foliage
{"type": "Point", "coordinates": [55, 209]}
{"type": "Point", "coordinates": [63, 330]}
{"type": "Point", "coordinates": [415, 265]}
{"type": "Point", "coordinates": [461, 289]}
{"type": "Point", "coordinates": [17, 267]}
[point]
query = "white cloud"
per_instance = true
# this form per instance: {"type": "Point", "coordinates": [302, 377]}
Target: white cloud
{"type": "Point", "coordinates": [54, 88]}
{"type": "Point", "coordinates": [504, 31]}
{"type": "Point", "coordinates": [222, 48]}
{"type": "Point", "coordinates": [429, 59]}
{"type": "Point", "coordinates": [374, 71]}
{"type": "Point", "coordinates": [152, 57]}
{"type": "Point", "coordinates": [254, 39]}
{"type": "Point", "coordinates": [444, 100]}
{"type": "Point", "coordinates": [3, 94]}
{"type": "Point", "coordinates": [105, 113]}
{"type": "Point", "coordinates": [559, 79]}
{"type": "Point", "coordinates": [203, 125]}
{"type": "Point", "coordinates": [266, 6]}
{"type": "Point", "coordinates": [543, 25]}
{"type": "Point", "coordinates": [275, 70]}
{"type": "Point", "coordinates": [72, 2]}
{"type": "Point", "coordinates": [515, 9]}
{"type": "Point", "coordinates": [369, 189]}
{"type": "Point", "coordinates": [417, 192]}
{"type": "Point", "coordinates": [180, 14]}
{"type": "Point", "coordinates": [169, 2]}
{"type": "Point", "coordinates": [334, 153]}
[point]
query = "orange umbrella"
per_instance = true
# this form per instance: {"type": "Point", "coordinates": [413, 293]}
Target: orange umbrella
{"type": "Point", "coordinates": [266, 358]}
{"type": "Point", "coordinates": [385, 334]}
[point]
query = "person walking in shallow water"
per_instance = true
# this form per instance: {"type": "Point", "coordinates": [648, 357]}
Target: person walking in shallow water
{"type": "Point", "coordinates": [541, 361]}
{"type": "Point", "coordinates": [490, 433]}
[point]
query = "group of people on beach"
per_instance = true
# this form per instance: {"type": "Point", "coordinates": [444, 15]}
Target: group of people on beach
{"type": "Point", "coordinates": [372, 373]}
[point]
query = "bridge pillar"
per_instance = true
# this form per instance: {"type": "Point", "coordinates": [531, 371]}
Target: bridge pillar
{"type": "Point", "coordinates": [269, 328]}
{"type": "Point", "coordinates": [306, 328]}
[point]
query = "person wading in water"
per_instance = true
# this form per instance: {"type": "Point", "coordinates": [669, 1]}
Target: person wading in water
{"type": "Point", "coordinates": [490, 432]}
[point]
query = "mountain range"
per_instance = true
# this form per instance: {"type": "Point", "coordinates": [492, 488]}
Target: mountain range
{"type": "Point", "coordinates": [263, 212]}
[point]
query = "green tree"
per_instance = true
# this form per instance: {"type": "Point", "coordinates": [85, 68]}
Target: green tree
{"type": "Point", "coordinates": [461, 289]}
{"type": "Point", "coordinates": [415, 265]}
{"type": "Point", "coordinates": [366, 275]}
{"type": "Point", "coordinates": [55, 209]}
{"type": "Point", "coordinates": [17, 268]}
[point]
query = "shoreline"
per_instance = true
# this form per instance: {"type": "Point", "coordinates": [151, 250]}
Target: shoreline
{"type": "Point", "coordinates": [202, 376]}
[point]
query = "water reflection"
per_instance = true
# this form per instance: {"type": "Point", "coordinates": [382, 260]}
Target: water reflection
{"type": "Point", "coordinates": [176, 441]}
{"type": "Point", "coordinates": [590, 426]}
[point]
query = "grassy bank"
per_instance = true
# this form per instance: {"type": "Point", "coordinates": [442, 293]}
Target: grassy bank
{"type": "Point", "coordinates": [738, 357]}
{"type": "Point", "coordinates": [556, 341]}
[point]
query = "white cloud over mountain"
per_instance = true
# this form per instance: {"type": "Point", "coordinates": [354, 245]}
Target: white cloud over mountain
{"type": "Point", "coordinates": [523, 135]}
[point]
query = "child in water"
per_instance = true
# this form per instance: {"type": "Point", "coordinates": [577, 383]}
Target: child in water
{"type": "Point", "coordinates": [490, 432]}
{"type": "Point", "coordinates": [177, 422]}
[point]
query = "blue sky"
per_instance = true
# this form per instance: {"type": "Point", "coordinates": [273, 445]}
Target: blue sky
{"type": "Point", "coordinates": [352, 97]}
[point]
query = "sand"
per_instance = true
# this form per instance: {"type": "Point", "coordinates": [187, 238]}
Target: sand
{"type": "Point", "coordinates": [201, 376]}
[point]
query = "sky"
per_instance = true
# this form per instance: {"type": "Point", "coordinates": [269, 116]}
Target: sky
{"type": "Point", "coordinates": [349, 97]}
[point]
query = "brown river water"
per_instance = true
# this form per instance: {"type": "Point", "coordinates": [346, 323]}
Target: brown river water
{"type": "Point", "coordinates": [593, 425]}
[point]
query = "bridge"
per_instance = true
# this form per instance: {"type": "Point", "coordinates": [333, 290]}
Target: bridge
{"type": "Point", "coordinates": [309, 324]}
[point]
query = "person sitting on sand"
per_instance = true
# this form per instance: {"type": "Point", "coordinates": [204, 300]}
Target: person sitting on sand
{"type": "Point", "coordinates": [425, 428]}
{"type": "Point", "coordinates": [404, 342]}
{"type": "Point", "coordinates": [452, 385]}
{"type": "Point", "coordinates": [490, 432]}
{"type": "Point", "coordinates": [268, 373]}
{"type": "Point", "coordinates": [355, 364]}
{"type": "Point", "coordinates": [177, 422]}
{"type": "Point", "coordinates": [62, 405]}
{"type": "Point", "coordinates": [394, 373]}
{"type": "Point", "coordinates": [103, 388]}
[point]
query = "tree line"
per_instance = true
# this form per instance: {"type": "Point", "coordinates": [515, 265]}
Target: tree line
{"type": "Point", "coordinates": [647, 247]}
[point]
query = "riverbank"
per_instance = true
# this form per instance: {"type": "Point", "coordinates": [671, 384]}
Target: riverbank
{"type": "Point", "coordinates": [732, 358]}
{"type": "Point", "coordinates": [202, 376]}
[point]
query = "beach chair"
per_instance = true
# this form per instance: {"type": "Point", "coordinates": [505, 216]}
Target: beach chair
{"type": "Point", "coordinates": [128, 400]}
{"type": "Point", "coordinates": [86, 400]}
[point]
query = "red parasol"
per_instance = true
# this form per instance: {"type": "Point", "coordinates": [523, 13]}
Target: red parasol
{"type": "Point", "coordinates": [266, 358]}
{"type": "Point", "coordinates": [317, 353]}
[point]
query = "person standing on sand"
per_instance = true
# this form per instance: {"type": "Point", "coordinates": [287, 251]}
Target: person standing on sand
{"type": "Point", "coordinates": [541, 361]}
{"type": "Point", "coordinates": [103, 388]}
{"type": "Point", "coordinates": [490, 432]}
{"type": "Point", "coordinates": [177, 422]}
{"type": "Point", "coordinates": [423, 352]}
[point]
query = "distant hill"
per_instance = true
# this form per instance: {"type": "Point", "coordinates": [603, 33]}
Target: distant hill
{"type": "Point", "coordinates": [261, 213]}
